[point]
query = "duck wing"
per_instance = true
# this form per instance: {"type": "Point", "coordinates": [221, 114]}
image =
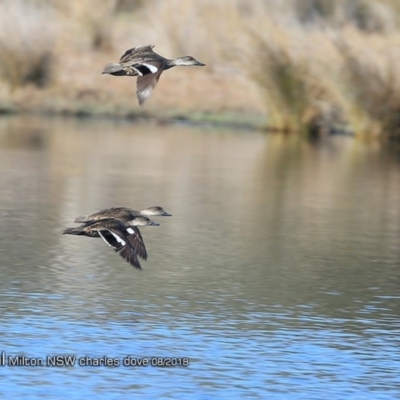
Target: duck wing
{"type": "Point", "coordinates": [128, 255]}
{"type": "Point", "coordinates": [119, 239]}
{"type": "Point", "coordinates": [147, 67]}
{"type": "Point", "coordinates": [136, 241]}
{"type": "Point", "coordinates": [147, 82]}
{"type": "Point", "coordinates": [134, 52]}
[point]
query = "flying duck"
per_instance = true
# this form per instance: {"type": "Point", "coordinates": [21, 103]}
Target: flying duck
{"type": "Point", "coordinates": [124, 238]}
{"type": "Point", "coordinates": [143, 62]}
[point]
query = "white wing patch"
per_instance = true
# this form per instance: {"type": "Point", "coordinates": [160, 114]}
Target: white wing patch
{"type": "Point", "coordinates": [152, 68]}
{"type": "Point", "coordinates": [130, 230]}
{"type": "Point", "coordinates": [119, 240]}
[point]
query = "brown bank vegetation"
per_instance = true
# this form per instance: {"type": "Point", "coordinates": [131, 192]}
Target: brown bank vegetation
{"type": "Point", "coordinates": [298, 66]}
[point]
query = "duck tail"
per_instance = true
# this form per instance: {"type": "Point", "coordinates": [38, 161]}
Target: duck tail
{"type": "Point", "coordinates": [114, 69]}
{"type": "Point", "coordinates": [73, 231]}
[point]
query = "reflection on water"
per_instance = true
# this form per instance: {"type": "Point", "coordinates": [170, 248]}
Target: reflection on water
{"type": "Point", "coordinates": [277, 276]}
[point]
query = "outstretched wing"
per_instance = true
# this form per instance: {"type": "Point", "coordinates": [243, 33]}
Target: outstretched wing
{"type": "Point", "coordinates": [147, 83]}
{"type": "Point", "coordinates": [112, 239]}
{"type": "Point", "coordinates": [135, 239]}
{"type": "Point", "coordinates": [127, 254]}
{"type": "Point", "coordinates": [121, 244]}
{"type": "Point", "coordinates": [134, 51]}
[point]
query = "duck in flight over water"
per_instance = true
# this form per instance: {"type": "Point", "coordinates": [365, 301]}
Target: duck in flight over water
{"type": "Point", "coordinates": [143, 62]}
{"type": "Point", "coordinates": [124, 237]}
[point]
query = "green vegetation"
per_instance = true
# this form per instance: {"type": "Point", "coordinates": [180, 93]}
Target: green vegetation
{"type": "Point", "coordinates": [305, 65]}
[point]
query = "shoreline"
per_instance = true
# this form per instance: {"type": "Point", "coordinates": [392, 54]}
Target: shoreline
{"type": "Point", "coordinates": [225, 120]}
{"type": "Point", "coordinates": [230, 119]}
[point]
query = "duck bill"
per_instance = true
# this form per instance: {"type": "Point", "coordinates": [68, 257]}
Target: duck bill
{"type": "Point", "coordinates": [165, 214]}
{"type": "Point", "coordinates": [152, 223]}
{"type": "Point", "coordinates": [200, 64]}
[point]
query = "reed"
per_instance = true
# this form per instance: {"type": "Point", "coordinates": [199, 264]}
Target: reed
{"type": "Point", "coordinates": [370, 84]}
{"type": "Point", "coordinates": [286, 79]}
{"type": "Point", "coordinates": [348, 80]}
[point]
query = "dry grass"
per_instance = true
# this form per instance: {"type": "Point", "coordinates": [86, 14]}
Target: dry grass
{"type": "Point", "coordinates": [26, 48]}
{"type": "Point", "coordinates": [370, 85]}
{"type": "Point", "coordinates": [366, 15]}
{"type": "Point", "coordinates": [293, 96]}
{"type": "Point", "coordinates": [307, 65]}
{"type": "Point", "coordinates": [95, 20]}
